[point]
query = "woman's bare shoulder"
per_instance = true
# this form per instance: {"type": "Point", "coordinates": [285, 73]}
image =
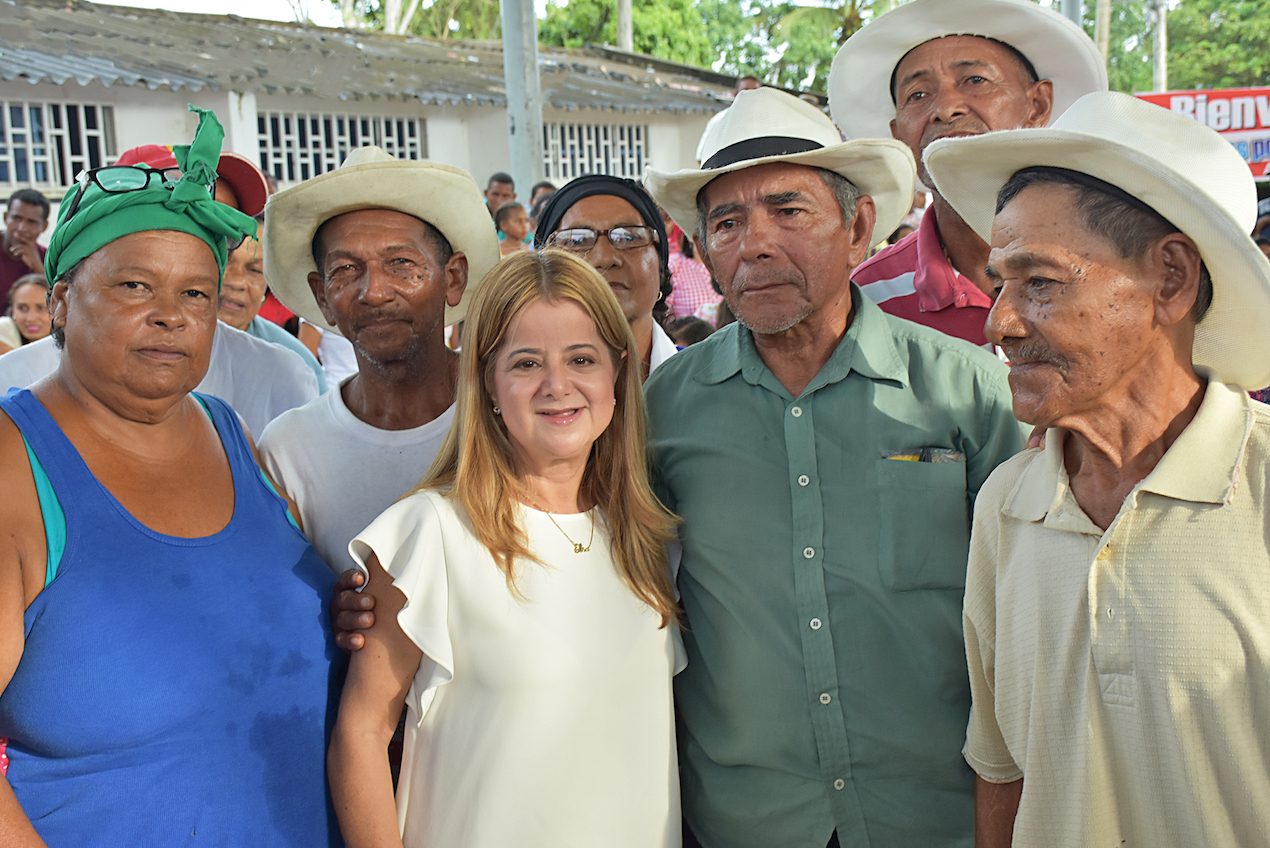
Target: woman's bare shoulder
{"type": "Point", "coordinates": [22, 548]}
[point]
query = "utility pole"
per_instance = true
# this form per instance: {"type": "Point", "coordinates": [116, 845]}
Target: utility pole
{"type": "Point", "coordinates": [524, 92]}
{"type": "Point", "coordinates": [1072, 11]}
{"type": "Point", "coordinates": [1160, 78]}
{"type": "Point", "coordinates": [625, 26]}
{"type": "Point", "coordinates": [1102, 27]}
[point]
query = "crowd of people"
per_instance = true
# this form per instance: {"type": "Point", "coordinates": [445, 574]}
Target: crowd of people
{"type": "Point", "coordinates": [678, 512]}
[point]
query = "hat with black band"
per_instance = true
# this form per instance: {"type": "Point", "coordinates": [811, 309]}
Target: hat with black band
{"type": "Point", "coordinates": [767, 125]}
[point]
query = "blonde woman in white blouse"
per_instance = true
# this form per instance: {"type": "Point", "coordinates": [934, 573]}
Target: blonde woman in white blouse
{"type": "Point", "coordinates": [525, 614]}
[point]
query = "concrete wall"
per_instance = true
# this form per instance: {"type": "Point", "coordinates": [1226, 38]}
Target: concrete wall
{"type": "Point", "coordinates": [473, 138]}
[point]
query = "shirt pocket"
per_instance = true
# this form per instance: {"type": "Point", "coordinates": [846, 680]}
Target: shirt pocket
{"type": "Point", "coordinates": [924, 525]}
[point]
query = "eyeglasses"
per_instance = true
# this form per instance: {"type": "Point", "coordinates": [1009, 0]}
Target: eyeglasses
{"type": "Point", "coordinates": [582, 239]}
{"type": "Point", "coordinates": [119, 179]}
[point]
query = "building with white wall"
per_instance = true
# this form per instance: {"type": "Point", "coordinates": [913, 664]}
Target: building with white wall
{"type": "Point", "coordinates": [80, 83]}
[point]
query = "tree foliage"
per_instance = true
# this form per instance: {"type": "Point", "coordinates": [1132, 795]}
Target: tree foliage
{"type": "Point", "coordinates": [440, 19]}
{"type": "Point", "coordinates": [668, 29]}
{"type": "Point", "coordinates": [1212, 44]}
{"type": "Point", "coordinates": [791, 43]}
{"type": "Point", "coordinates": [1129, 46]}
{"type": "Point", "coordinates": [1219, 44]}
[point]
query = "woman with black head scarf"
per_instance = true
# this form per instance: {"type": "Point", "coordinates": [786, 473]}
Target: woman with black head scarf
{"type": "Point", "coordinates": [614, 225]}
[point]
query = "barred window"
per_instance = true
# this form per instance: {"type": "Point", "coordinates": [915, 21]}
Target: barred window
{"type": "Point", "coordinates": [573, 150]}
{"type": "Point", "coordinates": [46, 145]}
{"type": "Point", "coordinates": [295, 146]}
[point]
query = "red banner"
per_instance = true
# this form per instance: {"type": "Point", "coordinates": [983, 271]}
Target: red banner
{"type": "Point", "coordinates": [1241, 115]}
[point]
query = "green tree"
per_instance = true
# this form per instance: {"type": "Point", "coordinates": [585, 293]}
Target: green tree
{"type": "Point", "coordinates": [805, 38]}
{"type": "Point", "coordinates": [439, 19]}
{"type": "Point", "coordinates": [668, 29]}
{"type": "Point", "coordinates": [737, 41]}
{"type": "Point", "coordinates": [1219, 44]}
{"type": "Point", "coordinates": [1129, 44]}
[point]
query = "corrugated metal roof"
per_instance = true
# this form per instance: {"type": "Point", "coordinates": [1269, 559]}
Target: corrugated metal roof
{"type": "Point", "coordinates": [46, 40]}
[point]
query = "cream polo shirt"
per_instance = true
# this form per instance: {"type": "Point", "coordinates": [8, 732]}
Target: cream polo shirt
{"type": "Point", "coordinates": [1126, 675]}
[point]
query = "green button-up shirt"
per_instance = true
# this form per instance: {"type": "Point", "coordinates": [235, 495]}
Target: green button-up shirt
{"type": "Point", "coordinates": [822, 578]}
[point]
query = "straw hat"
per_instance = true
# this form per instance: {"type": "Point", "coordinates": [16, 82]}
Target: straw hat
{"type": "Point", "coordinates": [445, 197]}
{"type": "Point", "coordinates": [1177, 166]}
{"type": "Point", "coordinates": [860, 80]}
{"type": "Point", "coordinates": [767, 125]}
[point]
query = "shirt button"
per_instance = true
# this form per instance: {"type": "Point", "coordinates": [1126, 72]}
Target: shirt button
{"type": "Point", "coordinates": [839, 784]}
{"type": "Point", "coordinates": [825, 697]}
{"type": "Point", "coordinates": [1105, 553]}
{"type": "Point", "coordinates": [815, 624]}
{"type": "Point", "coordinates": [1110, 613]}
{"type": "Point", "coordinates": [809, 552]}
{"type": "Point", "coordinates": [796, 411]}
{"type": "Point", "coordinates": [803, 479]}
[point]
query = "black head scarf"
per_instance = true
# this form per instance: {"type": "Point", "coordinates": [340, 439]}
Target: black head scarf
{"type": "Point", "coordinates": [628, 190]}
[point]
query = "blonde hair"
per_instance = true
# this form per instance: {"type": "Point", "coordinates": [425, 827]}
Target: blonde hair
{"type": "Point", "coordinates": [476, 464]}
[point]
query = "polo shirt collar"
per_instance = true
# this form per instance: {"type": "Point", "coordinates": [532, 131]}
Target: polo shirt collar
{"type": "Point", "coordinates": [867, 348]}
{"type": "Point", "coordinates": [1200, 466]}
{"type": "Point", "coordinates": [936, 281]}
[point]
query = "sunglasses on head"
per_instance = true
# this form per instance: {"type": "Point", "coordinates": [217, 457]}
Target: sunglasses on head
{"type": "Point", "coordinates": [121, 179]}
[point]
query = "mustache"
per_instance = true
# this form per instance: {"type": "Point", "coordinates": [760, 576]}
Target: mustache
{"type": "Point", "coordinates": [966, 125]}
{"type": "Point", "coordinates": [1033, 353]}
{"type": "Point", "coordinates": [758, 277]}
{"type": "Point", "coordinates": [365, 319]}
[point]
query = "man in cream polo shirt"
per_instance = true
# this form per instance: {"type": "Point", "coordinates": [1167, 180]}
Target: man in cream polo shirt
{"type": "Point", "coordinates": [1117, 611]}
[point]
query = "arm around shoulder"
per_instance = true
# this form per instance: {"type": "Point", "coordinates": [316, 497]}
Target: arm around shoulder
{"type": "Point", "coordinates": [378, 681]}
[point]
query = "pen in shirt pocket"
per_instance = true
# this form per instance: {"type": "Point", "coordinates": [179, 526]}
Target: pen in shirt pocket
{"type": "Point", "coordinates": [926, 455]}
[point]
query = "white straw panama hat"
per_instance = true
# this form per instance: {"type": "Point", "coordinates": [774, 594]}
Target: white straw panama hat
{"type": "Point", "coordinates": [445, 197]}
{"type": "Point", "coordinates": [860, 80]}
{"type": "Point", "coordinates": [767, 125]}
{"type": "Point", "coordinates": [1177, 166]}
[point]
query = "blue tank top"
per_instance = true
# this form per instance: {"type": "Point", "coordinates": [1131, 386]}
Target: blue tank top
{"type": "Point", "coordinates": [173, 691]}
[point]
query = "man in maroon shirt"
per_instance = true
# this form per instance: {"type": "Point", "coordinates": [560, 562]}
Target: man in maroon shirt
{"type": "Point", "coordinates": [936, 68]}
{"type": "Point", "coordinates": [25, 217]}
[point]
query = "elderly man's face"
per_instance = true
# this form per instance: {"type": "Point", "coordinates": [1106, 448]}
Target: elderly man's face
{"type": "Point", "coordinates": [963, 85]}
{"type": "Point", "coordinates": [382, 283]}
{"type": "Point", "coordinates": [776, 243]}
{"type": "Point", "coordinates": [243, 291]}
{"type": "Point", "coordinates": [1074, 317]}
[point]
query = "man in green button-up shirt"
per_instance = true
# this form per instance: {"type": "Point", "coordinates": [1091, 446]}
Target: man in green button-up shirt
{"type": "Point", "coordinates": [823, 457]}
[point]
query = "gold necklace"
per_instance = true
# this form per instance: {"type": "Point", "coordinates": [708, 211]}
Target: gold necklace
{"type": "Point", "coordinates": [577, 546]}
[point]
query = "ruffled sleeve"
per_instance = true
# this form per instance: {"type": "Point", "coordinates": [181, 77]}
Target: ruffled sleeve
{"type": "Point", "coordinates": [409, 542]}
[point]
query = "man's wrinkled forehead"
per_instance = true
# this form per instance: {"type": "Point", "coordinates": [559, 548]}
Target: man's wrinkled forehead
{"type": "Point", "coordinates": [743, 180]}
{"type": "Point", "coordinates": [1025, 65]}
{"type": "Point", "coordinates": [320, 248]}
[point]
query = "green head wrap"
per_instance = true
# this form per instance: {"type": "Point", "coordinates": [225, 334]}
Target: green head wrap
{"type": "Point", "coordinates": [186, 206]}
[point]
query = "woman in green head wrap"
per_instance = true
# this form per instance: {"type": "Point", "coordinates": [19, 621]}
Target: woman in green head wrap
{"type": "Point", "coordinates": [130, 712]}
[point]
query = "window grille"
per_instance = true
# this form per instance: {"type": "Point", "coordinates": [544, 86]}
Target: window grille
{"type": "Point", "coordinates": [573, 150]}
{"type": "Point", "coordinates": [295, 146]}
{"type": "Point", "coordinates": [46, 145]}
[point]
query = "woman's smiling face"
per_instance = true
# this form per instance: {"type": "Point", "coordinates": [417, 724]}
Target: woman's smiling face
{"type": "Point", "coordinates": [553, 380]}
